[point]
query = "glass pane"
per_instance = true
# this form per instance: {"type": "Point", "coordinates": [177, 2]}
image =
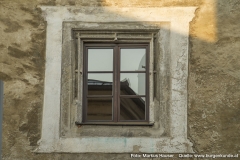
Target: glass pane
{"type": "Point", "coordinates": [132, 109]}
{"type": "Point", "coordinates": [100, 59]}
{"type": "Point", "coordinates": [99, 109]}
{"type": "Point", "coordinates": [100, 83]}
{"type": "Point", "coordinates": [132, 84]}
{"type": "Point", "coordinates": [133, 59]}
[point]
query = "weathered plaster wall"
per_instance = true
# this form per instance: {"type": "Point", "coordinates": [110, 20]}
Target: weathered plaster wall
{"type": "Point", "coordinates": [214, 74]}
{"type": "Point", "coordinates": [214, 79]}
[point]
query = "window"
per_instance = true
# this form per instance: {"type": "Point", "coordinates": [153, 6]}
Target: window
{"type": "Point", "coordinates": [115, 83]}
{"type": "Point", "coordinates": [166, 32]}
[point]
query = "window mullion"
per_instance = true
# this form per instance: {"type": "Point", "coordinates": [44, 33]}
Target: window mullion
{"type": "Point", "coordinates": [85, 58]}
{"type": "Point", "coordinates": [147, 81]}
{"type": "Point", "coordinates": [118, 82]}
{"type": "Point", "coordinates": [115, 88]}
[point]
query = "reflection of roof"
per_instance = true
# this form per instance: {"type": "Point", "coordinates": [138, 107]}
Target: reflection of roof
{"type": "Point", "coordinates": [125, 88]}
{"type": "Point", "coordinates": [131, 108]}
{"type": "Point", "coordinates": [103, 85]}
{"type": "Point", "coordinates": [97, 82]}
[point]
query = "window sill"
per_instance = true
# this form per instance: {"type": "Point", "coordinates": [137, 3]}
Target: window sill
{"type": "Point", "coordinates": [117, 123]}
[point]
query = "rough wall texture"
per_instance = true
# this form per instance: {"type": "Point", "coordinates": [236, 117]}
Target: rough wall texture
{"type": "Point", "coordinates": [214, 74]}
{"type": "Point", "coordinates": [214, 79]}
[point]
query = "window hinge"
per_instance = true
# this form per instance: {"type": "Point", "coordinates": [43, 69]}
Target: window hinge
{"type": "Point", "coordinates": [154, 72]}
{"type": "Point", "coordinates": [115, 38]}
{"type": "Point", "coordinates": [76, 71]}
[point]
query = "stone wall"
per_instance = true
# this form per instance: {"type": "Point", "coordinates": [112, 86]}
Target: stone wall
{"type": "Point", "coordinates": [213, 84]}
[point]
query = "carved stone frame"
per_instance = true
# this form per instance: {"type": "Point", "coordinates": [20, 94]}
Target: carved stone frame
{"type": "Point", "coordinates": [173, 68]}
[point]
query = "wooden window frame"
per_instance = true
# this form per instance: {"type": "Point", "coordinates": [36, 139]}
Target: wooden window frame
{"type": "Point", "coordinates": [116, 46]}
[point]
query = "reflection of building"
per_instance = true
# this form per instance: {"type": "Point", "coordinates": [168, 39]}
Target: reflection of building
{"type": "Point", "coordinates": [141, 77]}
{"type": "Point", "coordinates": [101, 108]}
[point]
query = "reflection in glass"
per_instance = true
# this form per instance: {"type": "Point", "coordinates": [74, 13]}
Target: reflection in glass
{"type": "Point", "coordinates": [132, 83]}
{"type": "Point", "coordinates": [99, 109]}
{"type": "Point", "coordinates": [100, 83]}
{"type": "Point", "coordinates": [132, 109]}
{"type": "Point", "coordinates": [133, 59]}
{"type": "Point", "coordinates": [100, 59]}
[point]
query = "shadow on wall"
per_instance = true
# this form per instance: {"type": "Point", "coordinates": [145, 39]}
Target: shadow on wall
{"type": "Point", "coordinates": [214, 78]}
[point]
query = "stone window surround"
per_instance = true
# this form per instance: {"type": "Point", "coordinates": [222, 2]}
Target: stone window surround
{"type": "Point", "coordinates": [127, 32]}
{"type": "Point", "coordinates": [116, 108]}
{"type": "Point", "coordinates": [177, 142]}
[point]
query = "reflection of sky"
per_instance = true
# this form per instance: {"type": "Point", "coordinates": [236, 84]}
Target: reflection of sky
{"type": "Point", "coordinates": [131, 60]}
{"type": "Point", "coordinates": [100, 59]}
{"type": "Point", "coordinates": [107, 77]}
